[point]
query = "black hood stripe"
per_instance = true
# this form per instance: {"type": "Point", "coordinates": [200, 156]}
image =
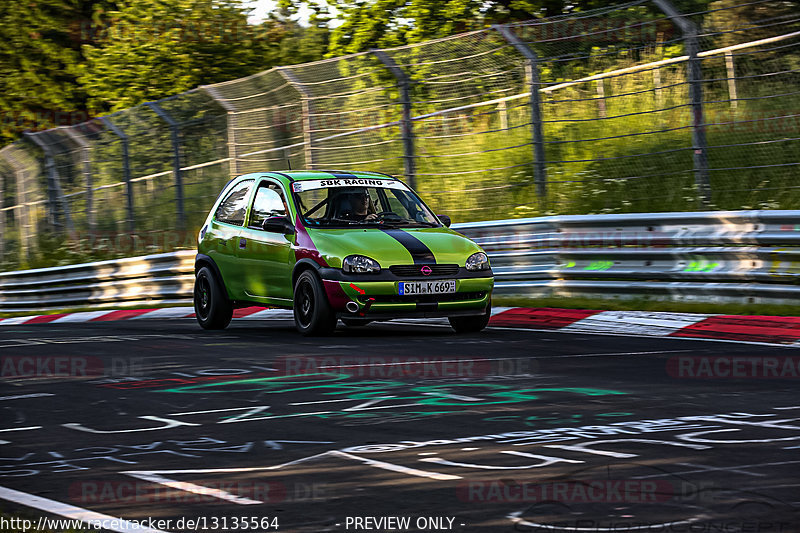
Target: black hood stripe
{"type": "Point", "coordinates": [421, 253]}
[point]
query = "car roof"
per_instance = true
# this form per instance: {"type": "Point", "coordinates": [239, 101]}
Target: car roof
{"type": "Point", "coordinates": [300, 175]}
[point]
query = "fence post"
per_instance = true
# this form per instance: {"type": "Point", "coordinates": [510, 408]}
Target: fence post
{"type": "Point", "coordinates": [502, 108]}
{"type": "Point", "coordinates": [126, 169]}
{"type": "Point", "coordinates": [305, 103]}
{"type": "Point", "coordinates": [174, 128]}
{"type": "Point", "coordinates": [22, 210]}
{"type": "Point", "coordinates": [406, 123]}
{"type": "Point", "coordinates": [55, 194]}
{"type": "Point", "coordinates": [601, 98]}
{"type": "Point", "coordinates": [532, 68]}
{"type": "Point", "coordinates": [732, 95]}
{"type": "Point", "coordinates": [231, 115]}
{"type": "Point", "coordinates": [87, 174]}
{"type": "Point", "coordinates": [695, 74]}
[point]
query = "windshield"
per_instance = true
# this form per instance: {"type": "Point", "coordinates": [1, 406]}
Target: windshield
{"type": "Point", "coordinates": [360, 202]}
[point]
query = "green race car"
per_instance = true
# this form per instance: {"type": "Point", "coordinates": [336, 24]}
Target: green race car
{"type": "Point", "coordinates": [332, 245]}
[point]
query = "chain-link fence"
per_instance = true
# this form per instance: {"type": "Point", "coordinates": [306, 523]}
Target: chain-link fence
{"type": "Point", "coordinates": [630, 108]}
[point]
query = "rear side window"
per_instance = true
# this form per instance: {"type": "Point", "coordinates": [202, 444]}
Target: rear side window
{"type": "Point", "coordinates": [233, 207]}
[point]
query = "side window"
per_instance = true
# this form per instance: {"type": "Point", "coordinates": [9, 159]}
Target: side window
{"type": "Point", "coordinates": [267, 203]}
{"type": "Point", "coordinates": [232, 208]}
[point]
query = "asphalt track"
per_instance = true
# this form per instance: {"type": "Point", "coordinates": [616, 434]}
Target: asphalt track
{"type": "Point", "coordinates": [397, 427]}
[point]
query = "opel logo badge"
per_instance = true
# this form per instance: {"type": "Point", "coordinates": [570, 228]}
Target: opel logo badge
{"type": "Point", "coordinates": [426, 270]}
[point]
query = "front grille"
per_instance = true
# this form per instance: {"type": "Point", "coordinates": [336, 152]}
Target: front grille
{"type": "Point", "coordinates": [424, 298]}
{"type": "Point", "coordinates": [414, 271]}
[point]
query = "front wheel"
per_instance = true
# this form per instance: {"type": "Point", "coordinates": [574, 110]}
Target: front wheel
{"type": "Point", "coordinates": [211, 306]}
{"type": "Point", "coordinates": [312, 312]}
{"type": "Point", "coordinates": [471, 324]}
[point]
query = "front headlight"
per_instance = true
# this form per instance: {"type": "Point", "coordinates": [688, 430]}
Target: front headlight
{"type": "Point", "coordinates": [359, 264]}
{"type": "Point", "coordinates": [477, 261]}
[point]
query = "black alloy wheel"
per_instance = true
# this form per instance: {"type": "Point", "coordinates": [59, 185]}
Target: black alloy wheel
{"type": "Point", "coordinates": [211, 306]}
{"type": "Point", "coordinates": [312, 313]}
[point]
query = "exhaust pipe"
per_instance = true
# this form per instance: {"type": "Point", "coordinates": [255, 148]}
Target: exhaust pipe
{"type": "Point", "coordinates": [351, 306]}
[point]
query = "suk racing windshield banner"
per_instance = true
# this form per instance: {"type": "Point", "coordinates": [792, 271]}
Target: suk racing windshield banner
{"type": "Point", "coordinates": [300, 186]}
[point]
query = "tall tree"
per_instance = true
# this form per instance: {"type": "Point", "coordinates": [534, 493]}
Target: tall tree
{"type": "Point", "coordinates": [738, 21]}
{"type": "Point", "coordinates": [381, 23]}
{"type": "Point", "coordinates": [366, 24]}
{"type": "Point", "coordinates": [40, 51]}
{"type": "Point", "coordinates": [149, 49]}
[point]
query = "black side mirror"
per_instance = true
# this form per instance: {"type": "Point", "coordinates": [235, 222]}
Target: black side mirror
{"type": "Point", "coordinates": [280, 225]}
{"type": "Point", "coordinates": [445, 220]}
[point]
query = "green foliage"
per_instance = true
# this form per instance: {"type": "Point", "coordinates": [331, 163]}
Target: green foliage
{"type": "Point", "coordinates": [64, 61]}
{"type": "Point", "coordinates": [729, 15]}
{"type": "Point", "coordinates": [366, 24]}
{"type": "Point", "coordinates": [302, 44]}
{"type": "Point", "coordinates": [40, 56]}
{"type": "Point", "coordinates": [150, 49]}
{"type": "Point", "coordinates": [387, 23]}
{"type": "Point", "coordinates": [627, 152]}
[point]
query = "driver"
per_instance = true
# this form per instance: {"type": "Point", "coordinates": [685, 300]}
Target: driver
{"type": "Point", "coordinates": [361, 207]}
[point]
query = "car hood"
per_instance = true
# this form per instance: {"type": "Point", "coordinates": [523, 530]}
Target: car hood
{"type": "Point", "coordinates": [393, 246]}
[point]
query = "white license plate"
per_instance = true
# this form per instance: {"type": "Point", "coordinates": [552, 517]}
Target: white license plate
{"type": "Point", "coordinates": [442, 286]}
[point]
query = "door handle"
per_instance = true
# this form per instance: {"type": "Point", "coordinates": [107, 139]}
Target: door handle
{"type": "Point", "coordinates": [242, 244]}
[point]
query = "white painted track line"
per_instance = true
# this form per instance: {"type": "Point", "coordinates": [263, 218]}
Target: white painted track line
{"type": "Point", "coordinates": [636, 322]}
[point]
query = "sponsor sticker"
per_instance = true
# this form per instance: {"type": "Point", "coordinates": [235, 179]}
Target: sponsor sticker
{"type": "Point", "coordinates": [300, 186]}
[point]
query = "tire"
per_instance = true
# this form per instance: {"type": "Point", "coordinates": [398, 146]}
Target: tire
{"type": "Point", "coordinates": [211, 305]}
{"type": "Point", "coordinates": [471, 324]}
{"type": "Point", "coordinates": [313, 315]}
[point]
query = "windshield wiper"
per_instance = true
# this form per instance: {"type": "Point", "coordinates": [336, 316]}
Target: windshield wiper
{"type": "Point", "coordinates": [410, 221]}
{"type": "Point", "coordinates": [328, 221]}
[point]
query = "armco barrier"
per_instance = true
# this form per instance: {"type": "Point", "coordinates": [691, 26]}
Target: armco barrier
{"type": "Point", "coordinates": [716, 256]}
{"type": "Point", "coordinates": [150, 280]}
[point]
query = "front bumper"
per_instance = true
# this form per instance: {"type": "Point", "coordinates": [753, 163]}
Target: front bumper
{"type": "Point", "coordinates": [378, 300]}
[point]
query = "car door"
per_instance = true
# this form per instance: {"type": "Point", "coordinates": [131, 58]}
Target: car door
{"type": "Point", "coordinates": [266, 257]}
{"type": "Point", "coordinates": [223, 234]}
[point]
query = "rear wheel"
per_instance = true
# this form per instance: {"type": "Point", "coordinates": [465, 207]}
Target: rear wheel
{"type": "Point", "coordinates": [471, 324]}
{"type": "Point", "coordinates": [211, 305]}
{"type": "Point", "coordinates": [312, 312]}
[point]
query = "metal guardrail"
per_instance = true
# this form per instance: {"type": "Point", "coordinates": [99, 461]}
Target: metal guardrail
{"type": "Point", "coordinates": [150, 280]}
{"type": "Point", "coordinates": [716, 256]}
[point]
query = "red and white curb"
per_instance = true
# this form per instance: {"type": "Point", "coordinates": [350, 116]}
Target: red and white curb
{"type": "Point", "coordinates": [250, 313]}
{"type": "Point", "coordinates": [774, 330]}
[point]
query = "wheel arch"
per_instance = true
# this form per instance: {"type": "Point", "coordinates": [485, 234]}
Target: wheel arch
{"type": "Point", "coordinates": [302, 266]}
{"type": "Point", "coordinates": [202, 260]}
